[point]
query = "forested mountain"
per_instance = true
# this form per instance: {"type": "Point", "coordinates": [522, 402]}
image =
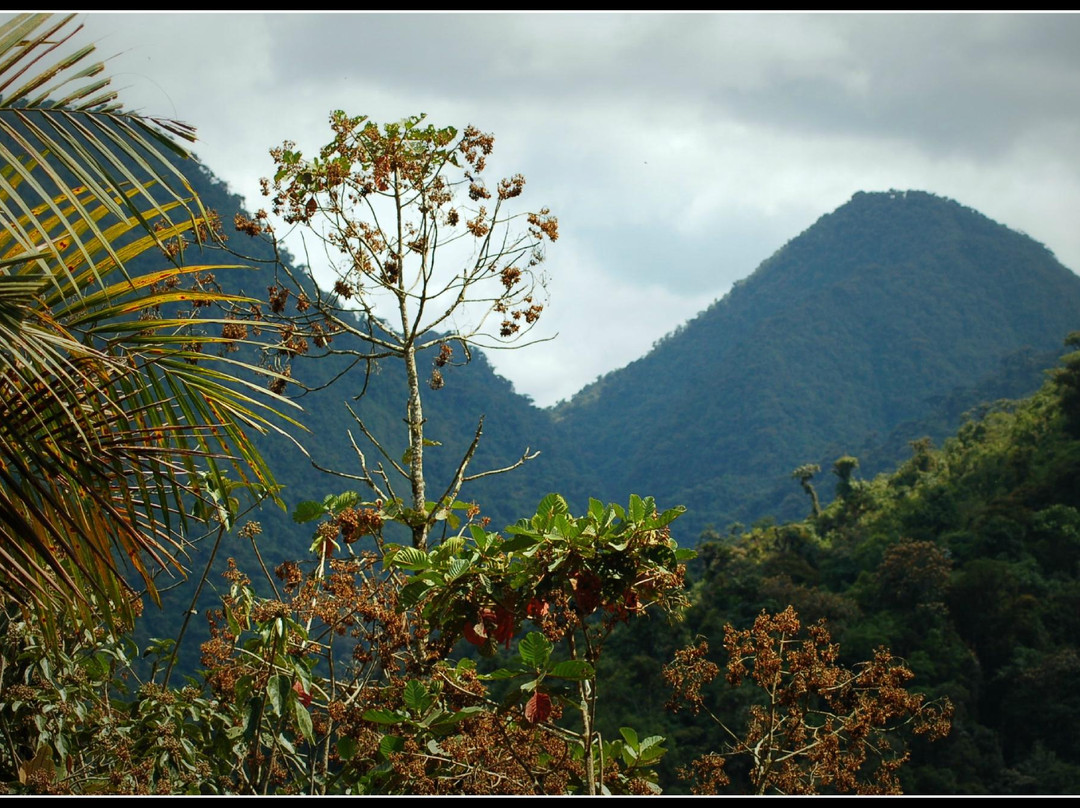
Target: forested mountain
{"type": "Point", "coordinates": [874, 316]}
{"type": "Point", "coordinates": [882, 323]}
{"type": "Point", "coordinates": [965, 560]}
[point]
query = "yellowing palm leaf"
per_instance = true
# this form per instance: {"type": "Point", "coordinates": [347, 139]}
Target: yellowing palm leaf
{"type": "Point", "coordinates": [112, 407]}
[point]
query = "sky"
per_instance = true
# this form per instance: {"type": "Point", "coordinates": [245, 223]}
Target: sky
{"type": "Point", "coordinates": [678, 151]}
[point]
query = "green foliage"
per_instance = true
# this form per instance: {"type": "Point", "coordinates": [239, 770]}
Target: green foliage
{"type": "Point", "coordinates": [962, 563]}
{"type": "Point", "coordinates": [343, 683]}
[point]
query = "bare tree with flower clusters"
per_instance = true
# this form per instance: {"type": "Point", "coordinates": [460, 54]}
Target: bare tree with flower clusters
{"type": "Point", "coordinates": [424, 251]}
{"type": "Point", "coordinates": [817, 725]}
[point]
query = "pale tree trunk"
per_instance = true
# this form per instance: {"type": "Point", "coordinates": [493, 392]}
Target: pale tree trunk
{"type": "Point", "coordinates": [415, 421]}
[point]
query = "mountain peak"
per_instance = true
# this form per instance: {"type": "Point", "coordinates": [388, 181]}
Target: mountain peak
{"type": "Point", "coordinates": [892, 299]}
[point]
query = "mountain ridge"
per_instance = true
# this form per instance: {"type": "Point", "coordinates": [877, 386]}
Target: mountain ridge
{"type": "Point", "coordinates": [891, 299]}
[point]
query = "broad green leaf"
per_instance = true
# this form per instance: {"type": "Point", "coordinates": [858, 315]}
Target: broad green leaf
{"type": "Point", "coordinates": [416, 697]}
{"type": "Point", "coordinates": [336, 503]}
{"type": "Point", "coordinates": [575, 669]}
{"type": "Point", "coordinates": [278, 688]}
{"type": "Point", "coordinates": [549, 507]}
{"type": "Point", "coordinates": [596, 509]}
{"type": "Point", "coordinates": [390, 745]}
{"type": "Point", "coordinates": [346, 747]}
{"type": "Point", "coordinates": [457, 568]}
{"type": "Point", "coordinates": [309, 511]}
{"type": "Point", "coordinates": [380, 716]}
{"type": "Point", "coordinates": [411, 558]}
{"type": "Point", "coordinates": [413, 592]}
{"type": "Point", "coordinates": [451, 547]}
{"type": "Point", "coordinates": [650, 749]}
{"type": "Point", "coordinates": [480, 536]}
{"type": "Point", "coordinates": [519, 543]}
{"type": "Point", "coordinates": [670, 515]}
{"type": "Point", "coordinates": [447, 720]}
{"type": "Point", "coordinates": [500, 673]}
{"type": "Point", "coordinates": [535, 650]}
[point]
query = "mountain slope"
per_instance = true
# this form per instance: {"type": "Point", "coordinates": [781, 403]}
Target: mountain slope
{"type": "Point", "coordinates": [849, 330]}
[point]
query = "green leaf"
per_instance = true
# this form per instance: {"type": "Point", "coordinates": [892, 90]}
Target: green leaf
{"type": "Point", "coordinates": [309, 511]}
{"type": "Point", "coordinates": [518, 543]}
{"type": "Point", "coordinates": [346, 747]}
{"type": "Point", "coordinates": [549, 507]}
{"type": "Point", "coordinates": [596, 509]}
{"type": "Point", "coordinates": [336, 503]}
{"type": "Point", "coordinates": [390, 745]}
{"type": "Point", "coordinates": [381, 716]}
{"type": "Point", "coordinates": [500, 673]}
{"type": "Point", "coordinates": [447, 721]}
{"type": "Point", "coordinates": [535, 650]}
{"type": "Point", "coordinates": [416, 697]}
{"type": "Point", "coordinates": [575, 669]}
{"type": "Point", "coordinates": [637, 508]}
{"type": "Point", "coordinates": [457, 568]}
{"type": "Point", "coordinates": [303, 720]}
{"type": "Point", "coordinates": [480, 536]}
{"type": "Point", "coordinates": [411, 558]}
{"type": "Point", "coordinates": [670, 515]}
{"type": "Point", "coordinates": [451, 547]}
{"type": "Point", "coordinates": [630, 736]}
{"type": "Point", "coordinates": [413, 592]}
{"type": "Point", "coordinates": [650, 749]}
{"type": "Point", "coordinates": [278, 688]}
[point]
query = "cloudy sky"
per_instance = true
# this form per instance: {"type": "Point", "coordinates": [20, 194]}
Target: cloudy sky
{"type": "Point", "coordinates": [678, 151]}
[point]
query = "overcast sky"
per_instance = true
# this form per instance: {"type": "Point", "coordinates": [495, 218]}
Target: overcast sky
{"type": "Point", "coordinates": [678, 151]}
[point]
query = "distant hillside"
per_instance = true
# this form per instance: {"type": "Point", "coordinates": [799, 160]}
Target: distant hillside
{"type": "Point", "coordinates": [872, 317]}
{"type": "Point", "coordinates": [963, 560]}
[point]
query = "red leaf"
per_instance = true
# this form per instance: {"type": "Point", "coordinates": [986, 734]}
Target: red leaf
{"type": "Point", "coordinates": [301, 694]}
{"type": "Point", "coordinates": [586, 588]}
{"type": "Point", "coordinates": [537, 609]}
{"type": "Point", "coordinates": [504, 626]}
{"type": "Point", "coordinates": [538, 708]}
{"type": "Point", "coordinates": [477, 630]}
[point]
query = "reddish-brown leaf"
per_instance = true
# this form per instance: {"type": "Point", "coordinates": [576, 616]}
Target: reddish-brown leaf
{"type": "Point", "coordinates": [538, 708]}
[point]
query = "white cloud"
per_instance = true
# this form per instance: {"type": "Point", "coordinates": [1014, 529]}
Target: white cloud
{"type": "Point", "coordinates": [677, 150]}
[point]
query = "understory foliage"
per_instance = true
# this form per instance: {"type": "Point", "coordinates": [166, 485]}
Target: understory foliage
{"type": "Point", "coordinates": [344, 680]}
{"type": "Point", "coordinates": [351, 678]}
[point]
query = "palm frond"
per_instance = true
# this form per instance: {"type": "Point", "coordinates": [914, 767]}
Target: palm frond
{"type": "Point", "coordinates": [60, 135]}
{"type": "Point", "coordinates": [117, 399]}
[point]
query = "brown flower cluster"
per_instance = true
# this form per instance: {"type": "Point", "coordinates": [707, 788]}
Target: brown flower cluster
{"type": "Point", "coordinates": [356, 522]}
{"type": "Point", "coordinates": [544, 224]}
{"type": "Point", "coordinates": [476, 145]}
{"type": "Point", "coordinates": [511, 187]}
{"type": "Point", "coordinates": [820, 726]}
{"type": "Point", "coordinates": [687, 674]}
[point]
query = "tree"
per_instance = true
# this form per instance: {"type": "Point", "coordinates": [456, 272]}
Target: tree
{"type": "Point", "coordinates": [402, 214]}
{"type": "Point", "coordinates": [804, 474]}
{"type": "Point", "coordinates": [843, 468]}
{"type": "Point", "coordinates": [115, 417]}
{"type": "Point", "coordinates": [817, 724]}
